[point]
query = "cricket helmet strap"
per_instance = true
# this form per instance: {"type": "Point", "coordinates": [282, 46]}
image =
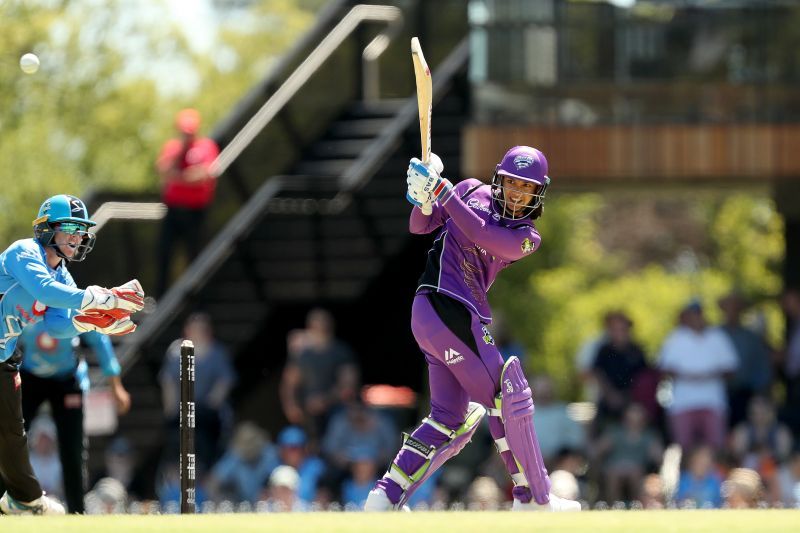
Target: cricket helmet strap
{"type": "Point", "coordinates": [60, 209]}
{"type": "Point", "coordinates": [526, 164]}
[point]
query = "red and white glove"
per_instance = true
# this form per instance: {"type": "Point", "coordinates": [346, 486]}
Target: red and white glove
{"type": "Point", "coordinates": [98, 300]}
{"type": "Point", "coordinates": [114, 322]}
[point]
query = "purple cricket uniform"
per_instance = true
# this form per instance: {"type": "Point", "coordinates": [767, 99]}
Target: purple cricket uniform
{"type": "Point", "coordinates": [449, 317]}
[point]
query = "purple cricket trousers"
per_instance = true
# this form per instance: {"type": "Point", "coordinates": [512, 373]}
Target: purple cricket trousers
{"type": "Point", "coordinates": [463, 365]}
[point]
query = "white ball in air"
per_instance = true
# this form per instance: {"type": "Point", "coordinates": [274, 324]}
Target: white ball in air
{"type": "Point", "coordinates": [29, 63]}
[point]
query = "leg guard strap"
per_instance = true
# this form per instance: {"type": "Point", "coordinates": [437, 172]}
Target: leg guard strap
{"type": "Point", "coordinates": [435, 457]}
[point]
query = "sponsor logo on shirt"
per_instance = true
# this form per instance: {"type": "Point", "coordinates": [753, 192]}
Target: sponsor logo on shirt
{"type": "Point", "coordinates": [474, 203]}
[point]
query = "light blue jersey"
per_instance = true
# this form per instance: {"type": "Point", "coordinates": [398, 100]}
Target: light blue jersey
{"type": "Point", "coordinates": [31, 291]}
{"type": "Point", "coordinates": [48, 357]}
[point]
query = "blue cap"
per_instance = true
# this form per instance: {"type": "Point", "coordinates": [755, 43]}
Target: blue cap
{"type": "Point", "coordinates": [292, 436]}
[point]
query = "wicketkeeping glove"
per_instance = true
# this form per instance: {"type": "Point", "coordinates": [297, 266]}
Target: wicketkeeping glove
{"type": "Point", "coordinates": [128, 297]}
{"type": "Point", "coordinates": [116, 323]}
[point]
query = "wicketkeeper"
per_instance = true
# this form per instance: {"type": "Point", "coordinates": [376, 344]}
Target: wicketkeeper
{"type": "Point", "coordinates": [35, 286]}
{"type": "Point", "coordinates": [481, 230]}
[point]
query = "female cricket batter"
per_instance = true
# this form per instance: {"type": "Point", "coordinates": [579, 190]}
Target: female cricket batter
{"type": "Point", "coordinates": [483, 229]}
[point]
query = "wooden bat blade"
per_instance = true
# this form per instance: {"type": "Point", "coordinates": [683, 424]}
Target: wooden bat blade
{"type": "Point", "coordinates": [422, 74]}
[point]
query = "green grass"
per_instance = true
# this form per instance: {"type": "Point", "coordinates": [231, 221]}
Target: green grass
{"type": "Point", "coordinates": [446, 522]}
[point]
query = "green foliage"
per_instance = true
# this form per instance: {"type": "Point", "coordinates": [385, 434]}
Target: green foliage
{"type": "Point", "coordinates": [556, 299]}
{"type": "Point", "coordinates": [103, 101]}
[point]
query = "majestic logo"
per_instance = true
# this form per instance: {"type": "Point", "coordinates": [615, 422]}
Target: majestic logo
{"type": "Point", "coordinates": [452, 357]}
{"type": "Point", "coordinates": [523, 161]}
{"type": "Point", "coordinates": [527, 246]}
{"type": "Point", "coordinates": [487, 337]}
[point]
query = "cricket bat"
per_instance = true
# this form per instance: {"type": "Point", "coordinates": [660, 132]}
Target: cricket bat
{"type": "Point", "coordinates": [424, 98]}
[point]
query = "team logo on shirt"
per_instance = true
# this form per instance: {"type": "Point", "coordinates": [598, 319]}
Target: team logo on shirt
{"type": "Point", "coordinates": [487, 337]}
{"type": "Point", "coordinates": [527, 246]}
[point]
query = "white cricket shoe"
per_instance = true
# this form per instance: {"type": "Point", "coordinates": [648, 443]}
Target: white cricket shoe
{"type": "Point", "coordinates": [555, 505]}
{"type": "Point", "coordinates": [378, 502]}
{"type": "Point", "coordinates": [41, 505]}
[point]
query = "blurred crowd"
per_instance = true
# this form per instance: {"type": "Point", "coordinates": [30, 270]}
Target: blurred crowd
{"type": "Point", "coordinates": [709, 421]}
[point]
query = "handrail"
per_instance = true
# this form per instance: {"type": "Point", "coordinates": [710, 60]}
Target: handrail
{"type": "Point", "coordinates": [222, 245]}
{"type": "Point", "coordinates": [299, 77]}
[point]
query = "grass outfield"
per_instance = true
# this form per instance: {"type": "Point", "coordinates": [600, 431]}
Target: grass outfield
{"type": "Point", "coordinates": [446, 522]}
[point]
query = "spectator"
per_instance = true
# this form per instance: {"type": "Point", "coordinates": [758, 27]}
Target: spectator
{"type": "Point", "coordinates": [44, 456]}
{"type": "Point", "coordinates": [357, 431]}
{"type": "Point", "coordinates": [754, 372]}
{"type": "Point", "coordinates": [585, 358]}
{"type": "Point", "coordinates": [618, 363]}
{"type": "Point", "coordinates": [700, 484]}
{"type": "Point", "coordinates": [761, 437]}
{"type": "Point", "coordinates": [282, 490]}
{"type": "Point", "coordinates": [214, 378]}
{"type": "Point", "coordinates": [652, 494]}
{"type": "Point", "coordinates": [629, 451]}
{"type": "Point", "coordinates": [484, 494]}
{"type": "Point", "coordinates": [293, 451]}
{"type": "Point", "coordinates": [555, 429]}
{"type": "Point", "coordinates": [564, 485]}
{"type": "Point", "coordinates": [120, 461]}
{"type": "Point", "coordinates": [698, 359]}
{"type": "Point", "coordinates": [108, 496]}
{"type": "Point", "coordinates": [742, 489]}
{"type": "Point", "coordinates": [320, 375]}
{"type": "Point", "coordinates": [361, 479]}
{"type": "Point", "coordinates": [187, 189]}
{"type": "Point", "coordinates": [243, 471]}
{"type": "Point", "coordinates": [791, 368]}
{"type": "Point", "coordinates": [789, 481]}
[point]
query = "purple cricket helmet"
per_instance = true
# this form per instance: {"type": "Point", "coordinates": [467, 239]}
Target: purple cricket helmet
{"type": "Point", "coordinates": [524, 163]}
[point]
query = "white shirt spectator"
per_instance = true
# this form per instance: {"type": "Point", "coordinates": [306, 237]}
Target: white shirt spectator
{"type": "Point", "coordinates": [698, 361]}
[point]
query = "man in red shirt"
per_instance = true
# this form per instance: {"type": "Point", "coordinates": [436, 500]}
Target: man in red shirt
{"type": "Point", "coordinates": [187, 190]}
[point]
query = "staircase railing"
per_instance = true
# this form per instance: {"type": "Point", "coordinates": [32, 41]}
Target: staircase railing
{"type": "Point", "coordinates": [242, 222]}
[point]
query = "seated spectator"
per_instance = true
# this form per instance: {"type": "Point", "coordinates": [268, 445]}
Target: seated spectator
{"type": "Point", "coordinates": [754, 371]}
{"type": "Point", "coordinates": [44, 456]}
{"type": "Point", "coordinates": [281, 493]}
{"type": "Point", "coordinates": [245, 467]}
{"type": "Point", "coordinates": [320, 374]}
{"type": "Point", "coordinates": [742, 489]}
{"type": "Point", "coordinates": [629, 451]}
{"type": "Point", "coordinates": [618, 362]}
{"type": "Point", "coordinates": [698, 359]}
{"type": "Point", "coordinates": [484, 495]}
{"type": "Point", "coordinates": [108, 496]}
{"type": "Point", "coordinates": [362, 477]}
{"type": "Point", "coordinates": [789, 481]}
{"type": "Point", "coordinates": [555, 429]}
{"type": "Point", "coordinates": [214, 379]}
{"type": "Point", "coordinates": [761, 438]}
{"type": "Point", "coordinates": [652, 494]}
{"type": "Point", "coordinates": [168, 486]}
{"type": "Point", "coordinates": [120, 461]}
{"type": "Point", "coordinates": [564, 485]}
{"type": "Point", "coordinates": [293, 451]}
{"type": "Point", "coordinates": [700, 484]}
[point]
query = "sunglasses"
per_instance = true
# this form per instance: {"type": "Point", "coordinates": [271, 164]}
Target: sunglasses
{"type": "Point", "coordinates": [71, 228]}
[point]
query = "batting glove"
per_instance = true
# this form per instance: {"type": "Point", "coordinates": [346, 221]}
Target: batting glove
{"type": "Point", "coordinates": [428, 176]}
{"type": "Point", "coordinates": [128, 297]}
